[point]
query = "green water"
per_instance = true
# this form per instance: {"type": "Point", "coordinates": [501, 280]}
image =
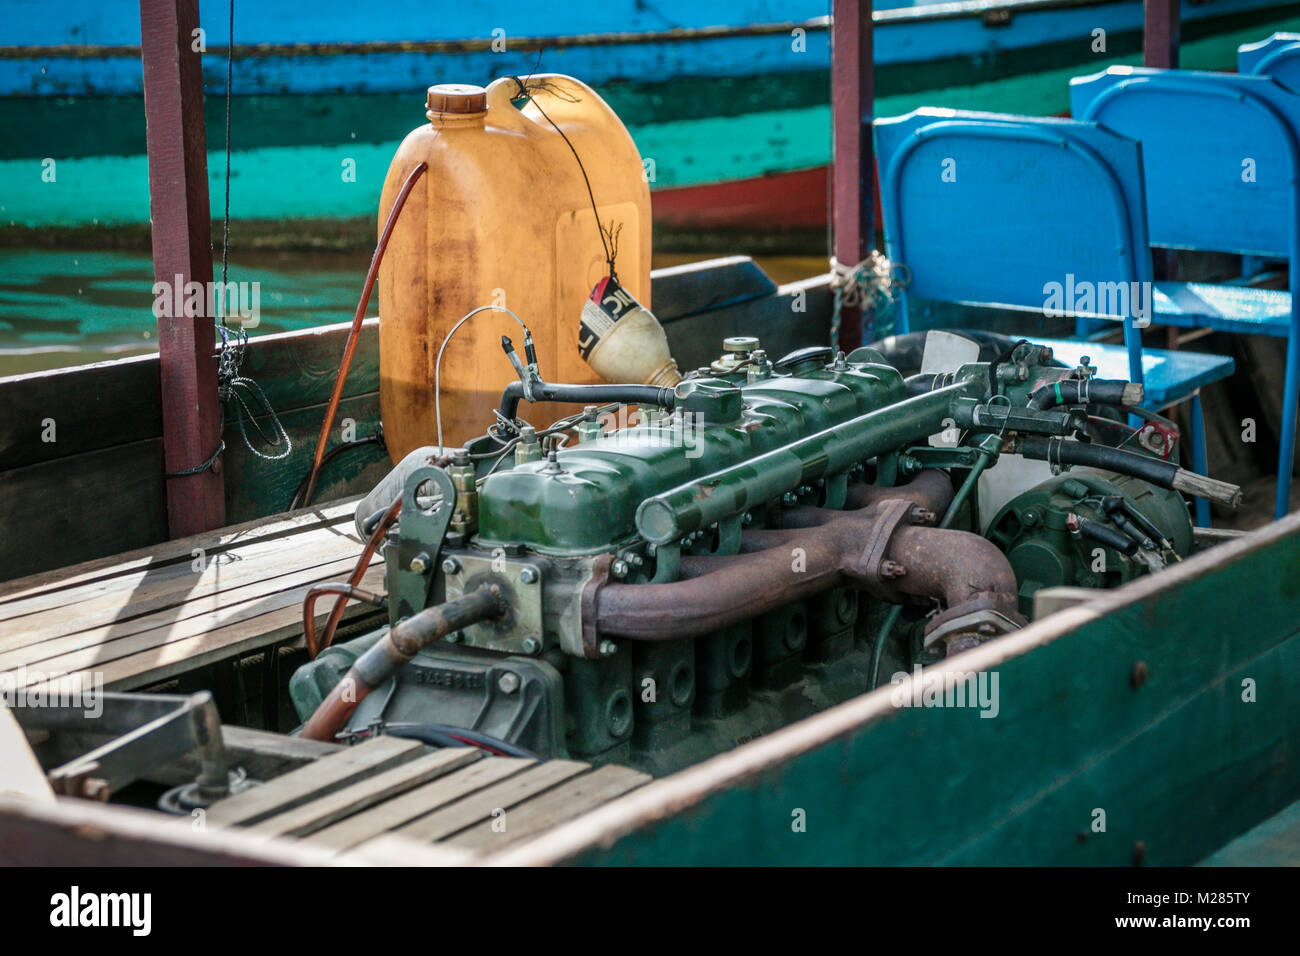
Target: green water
{"type": "Point", "coordinates": [60, 308]}
{"type": "Point", "coordinates": [69, 307]}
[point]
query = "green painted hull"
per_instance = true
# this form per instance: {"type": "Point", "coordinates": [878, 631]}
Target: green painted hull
{"type": "Point", "coordinates": [1084, 764]}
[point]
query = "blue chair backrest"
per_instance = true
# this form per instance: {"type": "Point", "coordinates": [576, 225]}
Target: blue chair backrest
{"type": "Point", "coordinates": [1220, 151]}
{"type": "Point", "coordinates": [1278, 57]}
{"type": "Point", "coordinates": [1005, 210]}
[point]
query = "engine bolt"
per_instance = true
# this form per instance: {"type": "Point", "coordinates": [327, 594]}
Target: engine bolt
{"type": "Point", "coordinates": [619, 569]}
{"type": "Point", "coordinates": [531, 645]}
{"type": "Point", "coordinates": [420, 563]}
{"type": "Point", "coordinates": [789, 498]}
{"type": "Point", "coordinates": [607, 649]}
{"type": "Point", "coordinates": [450, 566]}
{"type": "Point", "coordinates": [528, 575]}
{"type": "Point", "coordinates": [508, 682]}
{"type": "Point", "coordinates": [922, 516]}
{"type": "Point", "coordinates": [891, 569]}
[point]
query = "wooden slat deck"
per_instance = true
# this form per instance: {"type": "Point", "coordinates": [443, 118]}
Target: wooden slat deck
{"type": "Point", "coordinates": [137, 618]}
{"type": "Point", "coordinates": [389, 800]}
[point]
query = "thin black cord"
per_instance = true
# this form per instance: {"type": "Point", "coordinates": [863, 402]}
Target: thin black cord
{"type": "Point", "coordinates": [230, 74]}
{"type": "Point", "coordinates": [524, 91]}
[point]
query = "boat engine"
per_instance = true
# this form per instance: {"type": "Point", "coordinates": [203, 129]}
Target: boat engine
{"type": "Point", "coordinates": [675, 570]}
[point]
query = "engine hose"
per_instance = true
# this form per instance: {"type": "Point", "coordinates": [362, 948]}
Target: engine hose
{"type": "Point", "coordinates": [395, 650]}
{"type": "Point", "coordinates": [586, 395]}
{"type": "Point", "coordinates": [1102, 535]}
{"type": "Point", "coordinates": [445, 735]}
{"type": "Point", "coordinates": [1095, 391]}
{"type": "Point", "coordinates": [359, 571]}
{"type": "Point", "coordinates": [344, 591]}
{"type": "Point", "coordinates": [920, 383]}
{"type": "Point", "coordinates": [350, 348]}
{"type": "Point", "coordinates": [381, 497]}
{"type": "Point", "coordinates": [1163, 474]}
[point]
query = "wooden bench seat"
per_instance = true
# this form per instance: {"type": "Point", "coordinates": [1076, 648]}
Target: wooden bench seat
{"type": "Point", "coordinates": [134, 619]}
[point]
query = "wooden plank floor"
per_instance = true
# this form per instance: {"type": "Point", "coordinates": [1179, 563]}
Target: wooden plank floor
{"type": "Point", "coordinates": [391, 800]}
{"type": "Point", "coordinates": [141, 617]}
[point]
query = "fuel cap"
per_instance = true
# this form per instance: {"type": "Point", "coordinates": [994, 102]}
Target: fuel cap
{"type": "Point", "coordinates": [456, 98]}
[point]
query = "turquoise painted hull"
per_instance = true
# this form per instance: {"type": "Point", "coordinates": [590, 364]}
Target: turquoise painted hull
{"type": "Point", "coordinates": [706, 111]}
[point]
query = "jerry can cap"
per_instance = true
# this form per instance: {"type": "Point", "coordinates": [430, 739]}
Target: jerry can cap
{"type": "Point", "coordinates": [456, 98]}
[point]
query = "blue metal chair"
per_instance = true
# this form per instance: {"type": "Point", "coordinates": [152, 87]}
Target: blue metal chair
{"type": "Point", "coordinates": [1221, 155]}
{"type": "Point", "coordinates": [1278, 57]}
{"type": "Point", "coordinates": [1011, 212]}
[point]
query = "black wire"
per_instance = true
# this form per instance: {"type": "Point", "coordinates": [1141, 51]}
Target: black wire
{"type": "Point", "coordinates": [443, 735]}
{"type": "Point", "coordinates": [230, 74]}
{"type": "Point", "coordinates": [375, 438]}
{"type": "Point", "coordinates": [609, 255]}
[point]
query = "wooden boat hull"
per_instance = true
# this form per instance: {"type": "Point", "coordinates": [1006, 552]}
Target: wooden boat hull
{"type": "Point", "coordinates": [1150, 703]}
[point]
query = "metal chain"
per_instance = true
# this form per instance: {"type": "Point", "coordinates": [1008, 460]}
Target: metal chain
{"type": "Point", "coordinates": [232, 385]}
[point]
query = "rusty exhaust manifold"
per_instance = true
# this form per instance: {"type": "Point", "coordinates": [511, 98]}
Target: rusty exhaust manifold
{"type": "Point", "coordinates": [882, 548]}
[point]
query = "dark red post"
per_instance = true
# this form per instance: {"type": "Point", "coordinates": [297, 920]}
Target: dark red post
{"type": "Point", "coordinates": [1160, 34]}
{"type": "Point", "coordinates": [182, 246]}
{"type": "Point", "coordinates": [853, 172]}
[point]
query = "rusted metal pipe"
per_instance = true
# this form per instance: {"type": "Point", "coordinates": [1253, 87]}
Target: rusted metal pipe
{"type": "Point", "coordinates": [395, 650]}
{"type": "Point", "coordinates": [359, 571]}
{"type": "Point", "coordinates": [354, 334]}
{"type": "Point", "coordinates": [876, 549]}
{"type": "Point", "coordinates": [931, 490]}
{"type": "Point", "coordinates": [954, 566]}
{"type": "Point", "coordinates": [347, 592]}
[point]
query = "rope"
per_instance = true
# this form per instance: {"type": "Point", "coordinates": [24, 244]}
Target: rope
{"type": "Point", "coordinates": [871, 285]}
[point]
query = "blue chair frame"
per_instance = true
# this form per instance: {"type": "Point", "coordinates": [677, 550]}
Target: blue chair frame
{"type": "Point", "coordinates": [1278, 57]}
{"type": "Point", "coordinates": [1188, 122]}
{"type": "Point", "coordinates": [1010, 172]}
{"type": "Point", "coordinates": [1014, 189]}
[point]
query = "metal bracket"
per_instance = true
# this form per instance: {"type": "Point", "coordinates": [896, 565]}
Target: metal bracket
{"type": "Point", "coordinates": [148, 730]}
{"type": "Point", "coordinates": [521, 631]}
{"type": "Point", "coordinates": [893, 512]}
{"type": "Point", "coordinates": [421, 529]}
